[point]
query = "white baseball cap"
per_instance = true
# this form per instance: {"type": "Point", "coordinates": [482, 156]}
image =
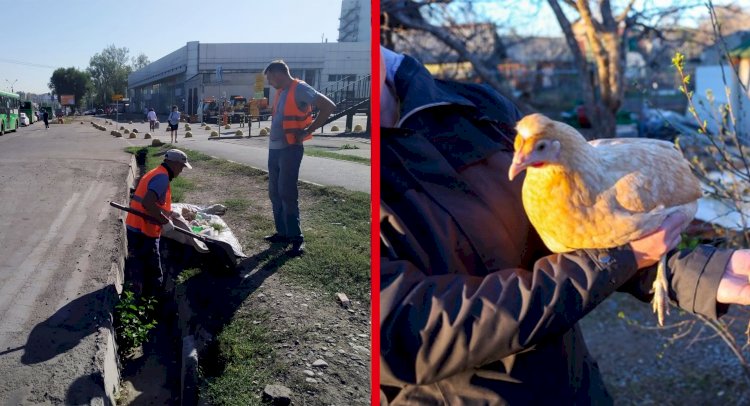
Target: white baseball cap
{"type": "Point", "coordinates": [175, 155]}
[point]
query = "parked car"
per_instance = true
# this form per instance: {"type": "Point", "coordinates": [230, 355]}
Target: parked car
{"type": "Point", "coordinates": [666, 125]}
{"type": "Point", "coordinates": [24, 119]}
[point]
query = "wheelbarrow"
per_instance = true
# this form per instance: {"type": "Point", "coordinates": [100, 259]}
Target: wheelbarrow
{"type": "Point", "coordinates": [220, 249]}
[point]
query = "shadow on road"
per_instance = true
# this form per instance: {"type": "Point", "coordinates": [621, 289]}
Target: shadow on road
{"type": "Point", "coordinates": [85, 389]}
{"type": "Point", "coordinates": [68, 326]}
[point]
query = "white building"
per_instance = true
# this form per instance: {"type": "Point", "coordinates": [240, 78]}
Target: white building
{"type": "Point", "coordinates": [200, 71]}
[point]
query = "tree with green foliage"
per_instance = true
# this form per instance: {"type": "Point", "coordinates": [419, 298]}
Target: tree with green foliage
{"type": "Point", "coordinates": [140, 62]}
{"type": "Point", "coordinates": [70, 81]}
{"type": "Point", "coordinates": [109, 72]}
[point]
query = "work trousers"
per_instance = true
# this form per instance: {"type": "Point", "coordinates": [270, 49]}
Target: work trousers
{"type": "Point", "coordinates": [283, 174]}
{"type": "Point", "coordinates": [143, 265]}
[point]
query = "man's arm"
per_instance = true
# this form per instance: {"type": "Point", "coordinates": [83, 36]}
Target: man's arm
{"type": "Point", "coordinates": [436, 325]}
{"type": "Point", "coordinates": [325, 109]}
{"type": "Point", "coordinates": [695, 277]}
{"type": "Point", "coordinates": [149, 203]}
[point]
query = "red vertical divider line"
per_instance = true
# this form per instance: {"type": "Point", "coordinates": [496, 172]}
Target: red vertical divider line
{"type": "Point", "coordinates": [375, 202]}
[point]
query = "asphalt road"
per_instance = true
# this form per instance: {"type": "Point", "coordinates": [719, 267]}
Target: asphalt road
{"type": "Point", "coordinates": [254, 152]}
{"type": "Point", "coordinates": [58, 239]}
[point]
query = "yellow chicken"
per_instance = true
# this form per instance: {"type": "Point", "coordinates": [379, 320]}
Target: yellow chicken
{"type": "Point", "coordinates": [603, 193]}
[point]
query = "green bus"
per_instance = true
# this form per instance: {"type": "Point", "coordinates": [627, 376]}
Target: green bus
{"type": "Point", "coordinates": [30, 109]}
{"type": "Point", "coordinates": [9, 106]}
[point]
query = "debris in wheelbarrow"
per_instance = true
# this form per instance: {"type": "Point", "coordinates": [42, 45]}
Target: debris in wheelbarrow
{"type": "Point", "coordinates": [227, 260]}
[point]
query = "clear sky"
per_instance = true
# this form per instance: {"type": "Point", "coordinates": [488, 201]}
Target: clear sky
{"type": "Point", "coordinates": [41, 36]}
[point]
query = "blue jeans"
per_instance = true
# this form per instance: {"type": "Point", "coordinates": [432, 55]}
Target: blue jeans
{"type": "Point", "coordinates": [143, 265]}
{"type": "Point", "coordinates": [283, 173]}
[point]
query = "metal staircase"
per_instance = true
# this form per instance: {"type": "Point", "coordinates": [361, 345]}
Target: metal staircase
{"type": "Point", "coordinates": [351, 97]}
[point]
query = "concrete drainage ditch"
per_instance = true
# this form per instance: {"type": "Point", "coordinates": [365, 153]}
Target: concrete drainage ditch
{"type": "Point", "coordinates": [173, 349]}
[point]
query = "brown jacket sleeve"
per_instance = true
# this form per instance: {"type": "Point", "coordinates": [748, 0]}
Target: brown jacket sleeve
{"type": "Point", "coordinates": [435, 326]}
{"type": "Point", "coordinates": [694, 277]}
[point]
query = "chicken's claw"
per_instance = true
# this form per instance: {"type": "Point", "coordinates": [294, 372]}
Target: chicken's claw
{"type": "Point", "coordinates": [660, 304]}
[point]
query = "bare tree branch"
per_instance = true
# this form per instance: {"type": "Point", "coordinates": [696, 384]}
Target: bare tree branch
{"type": "Point", "coordinates": [605, 8]}
{"type": "Point", "coordinates": [620, 18]}
{"type": "Point", "coordinates": [571, 3]}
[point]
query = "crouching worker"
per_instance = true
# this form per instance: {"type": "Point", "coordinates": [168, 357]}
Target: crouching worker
{"type": "Point", "coordinates": [153, 196]}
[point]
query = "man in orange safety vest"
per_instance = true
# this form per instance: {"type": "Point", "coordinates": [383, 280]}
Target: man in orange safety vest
{"type": "Point", "coordinates": [292, 123]}
{"type": "Point", "coordinates": [152, 196]}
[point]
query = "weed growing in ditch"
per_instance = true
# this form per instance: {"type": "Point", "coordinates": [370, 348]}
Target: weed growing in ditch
{"type": "Point", "coordinates": [134, 318]}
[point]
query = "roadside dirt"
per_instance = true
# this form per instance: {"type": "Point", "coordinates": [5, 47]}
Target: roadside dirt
{"type": "Point", "coordinates": [58, 243]}
{"type": "Point", "coordinates": [310, 323]}
{"type": "Point", "coordinates": [306, 324]}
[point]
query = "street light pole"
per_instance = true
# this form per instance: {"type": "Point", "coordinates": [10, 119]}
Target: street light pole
{"type": "Point", "coordinates": [11, 84]}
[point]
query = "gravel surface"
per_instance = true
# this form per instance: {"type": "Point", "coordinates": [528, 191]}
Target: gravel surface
{"type": "Point", "coordinates": [683, 363]}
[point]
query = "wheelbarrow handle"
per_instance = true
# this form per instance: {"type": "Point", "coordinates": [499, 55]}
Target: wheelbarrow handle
{"type": "Point", "coordinates": [154, 220]}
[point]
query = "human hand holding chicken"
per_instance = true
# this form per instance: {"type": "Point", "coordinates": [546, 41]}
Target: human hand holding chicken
{"type": "Point", "coordinates": [734, 287]}
{"type": "Point", "coordinates": [608, 193]}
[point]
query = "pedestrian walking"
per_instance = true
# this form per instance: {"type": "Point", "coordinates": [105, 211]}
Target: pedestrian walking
{"type": "Point", "coordinates": [291, 124]}
{"type": "Point", "coordinates": [45, 116]}
{"type": "Point", "coordinates": [174, 122]}
{"type": "Point", "coordinates": [151, 117]}
{"type": "Point", "coordinates": [152, 196]}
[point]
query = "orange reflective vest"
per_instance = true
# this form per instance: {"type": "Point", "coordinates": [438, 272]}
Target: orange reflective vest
{"type": "Point", "coordinates": [293, 118]}
{"type": "Point", "coordinates": [138, 223]}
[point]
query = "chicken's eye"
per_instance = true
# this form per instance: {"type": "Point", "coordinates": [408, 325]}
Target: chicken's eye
{"type": "Point", "coordinates": [541, 147]}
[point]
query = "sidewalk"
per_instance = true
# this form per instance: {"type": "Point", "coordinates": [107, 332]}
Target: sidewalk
{"type": "Point", "coordinates": [253, 151]}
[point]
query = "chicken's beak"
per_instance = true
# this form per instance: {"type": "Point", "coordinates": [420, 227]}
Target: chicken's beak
{"type": "Point", "coordinates": [518, 165]}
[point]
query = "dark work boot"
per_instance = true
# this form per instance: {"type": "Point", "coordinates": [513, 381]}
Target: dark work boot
{"type": "Point", "coordinates": [298, 248]}
{"type": "Point", "coordinates": [276, 238]}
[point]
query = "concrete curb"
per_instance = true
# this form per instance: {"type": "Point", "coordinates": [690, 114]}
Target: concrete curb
{"type": "Point", "coordinates": [189, 381]}
{"type": "Point", "coordinates": [108, 353]}
{"type": "Point", "coordinates": [189, 375]}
